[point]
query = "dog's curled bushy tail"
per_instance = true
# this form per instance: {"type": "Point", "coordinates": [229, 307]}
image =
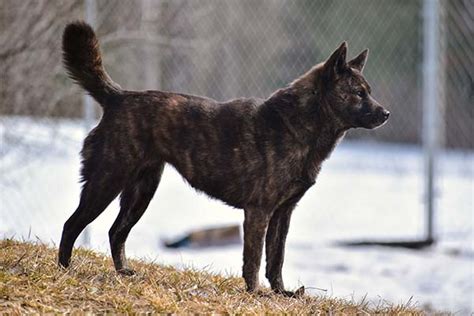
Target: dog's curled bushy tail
{"type": "Point", "coordinates": [83, 62]}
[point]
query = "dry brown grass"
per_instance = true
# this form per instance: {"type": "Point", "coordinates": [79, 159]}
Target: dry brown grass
{"type": "Point", "coordinates": [31, 281]}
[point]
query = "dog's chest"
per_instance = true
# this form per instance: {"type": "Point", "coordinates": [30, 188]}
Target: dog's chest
{"type": "Point", "coordinates": [295, 192]}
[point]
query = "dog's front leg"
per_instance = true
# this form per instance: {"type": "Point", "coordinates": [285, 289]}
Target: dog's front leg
{"type": "Point", "coordinates": [255, 225]}
{"type": "Point", "coordinates": [275, 247]}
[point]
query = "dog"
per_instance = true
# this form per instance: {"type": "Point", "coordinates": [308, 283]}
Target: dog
{"type": "Point", "coordinates": [259, 155]}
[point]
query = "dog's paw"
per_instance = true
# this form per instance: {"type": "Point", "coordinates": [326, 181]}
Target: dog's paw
{"type": "Point", "coordinates": [299, 292]}
{"type": "Point", "coordinates": [296, 294]}
{"type": "Point", "coordinates": [126, 271]}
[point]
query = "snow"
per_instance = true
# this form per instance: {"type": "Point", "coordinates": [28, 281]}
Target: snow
{"type": "Point", "coordinates": [365, 191]}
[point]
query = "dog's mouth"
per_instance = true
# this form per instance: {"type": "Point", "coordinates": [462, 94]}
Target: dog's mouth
{"type": "Point", "coordinates": [375, 119]}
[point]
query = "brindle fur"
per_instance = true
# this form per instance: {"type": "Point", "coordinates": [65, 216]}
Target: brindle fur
{"type": "Point", "coordinates": [258, 155]}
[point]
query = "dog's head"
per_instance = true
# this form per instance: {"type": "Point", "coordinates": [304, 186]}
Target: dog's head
{"type": "Point", "coordinates": [348, 93]}
{"type": "Point", "coordinates": [342, 90]}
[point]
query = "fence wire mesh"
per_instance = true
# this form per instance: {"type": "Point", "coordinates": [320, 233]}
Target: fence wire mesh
{"type": "Point", "coordinates": [458, 61]}
{"type": "Point", "coordinates": [223, 50]}
{"type": "Point", "coordinates": [237, 48]}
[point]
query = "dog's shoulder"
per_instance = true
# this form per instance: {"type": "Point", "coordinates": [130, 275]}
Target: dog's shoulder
{"type": "Point", "coordinates": [241, 107]}
{"type": "Point", "coordinates": [243, 102]}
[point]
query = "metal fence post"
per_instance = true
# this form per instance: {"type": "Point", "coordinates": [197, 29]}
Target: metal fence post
{"type": "Point", "coordinates": [88, 102]}
{"type": "Point", "coordinates": [430, 108]}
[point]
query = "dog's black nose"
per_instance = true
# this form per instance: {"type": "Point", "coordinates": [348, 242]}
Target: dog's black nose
{"type": "Point", "coordinates": [386, 114]}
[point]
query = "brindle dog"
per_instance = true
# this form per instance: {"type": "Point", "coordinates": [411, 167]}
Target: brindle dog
{"type": "Point", "coordinates": [254, 154]}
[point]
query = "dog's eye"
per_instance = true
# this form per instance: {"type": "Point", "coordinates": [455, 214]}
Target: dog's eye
{"type": "Point", "coordinates": [361, 93]}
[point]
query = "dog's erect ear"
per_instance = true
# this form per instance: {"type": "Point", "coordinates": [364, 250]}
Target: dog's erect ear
{"type": "Point", "coordinates": [336, 64]}
{"type": "Point", "coordinates": [359, 61]}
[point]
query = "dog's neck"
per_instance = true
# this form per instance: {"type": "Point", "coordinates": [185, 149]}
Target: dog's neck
{"type": "Point", "coordinates": [310, 122]}
{"type": "Point", "coordinates": [305, 117]}
{"type": "Point", "coordinates": [326, 134]}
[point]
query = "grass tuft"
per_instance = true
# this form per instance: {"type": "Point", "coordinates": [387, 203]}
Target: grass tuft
{"type": "Point", "coordinates": [32, 282]}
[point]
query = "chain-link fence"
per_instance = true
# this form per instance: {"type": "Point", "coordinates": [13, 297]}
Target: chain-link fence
{"type": "Point", "coordinates": [228, 49]}
{"type": "Point", "coordinates": [458, 62]}
{"type": "Point", "coordinates": [219, 49]}
{"type": "Point", "coordinates": [240, 48]}
{"type": "Point", "coordinates": [223, 50]}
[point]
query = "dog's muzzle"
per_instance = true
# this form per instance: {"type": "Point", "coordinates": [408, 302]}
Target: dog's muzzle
{"type": "Point", "coordinates": [376, 118]}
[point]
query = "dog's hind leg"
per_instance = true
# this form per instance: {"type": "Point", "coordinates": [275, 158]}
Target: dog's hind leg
{"type": "Point", "coordinates": [97, 193]}
{"type": "Point", "coordinates": [133, 202]}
